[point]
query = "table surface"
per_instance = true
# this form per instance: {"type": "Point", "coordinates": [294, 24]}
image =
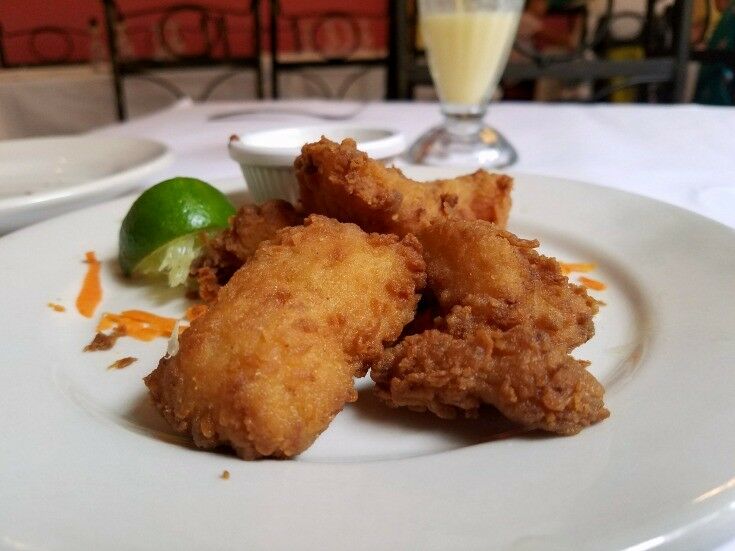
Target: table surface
{"type": "Point", "coordinates": [681, 154]}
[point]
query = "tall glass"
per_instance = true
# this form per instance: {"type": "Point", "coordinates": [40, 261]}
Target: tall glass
{"type": "Point", "coordinates": [467, 45]}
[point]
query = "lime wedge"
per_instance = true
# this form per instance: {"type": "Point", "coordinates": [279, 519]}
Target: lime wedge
{"type": "Point", "coordinates": [162, 232]}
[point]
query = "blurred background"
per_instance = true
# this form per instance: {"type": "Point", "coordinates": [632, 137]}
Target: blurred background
{"type": "Point", "coordinates": [72, 65]}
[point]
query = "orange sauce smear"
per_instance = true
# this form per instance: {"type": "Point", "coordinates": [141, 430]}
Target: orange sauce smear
{"type": "Point", "coordinates": [138, 324]}
{"type": "Point", "coordinates": [592, 283]}
{"type": "Point", "coordinates": [90, 294]}
{"type": "Point", "coordinates": [584, 267]}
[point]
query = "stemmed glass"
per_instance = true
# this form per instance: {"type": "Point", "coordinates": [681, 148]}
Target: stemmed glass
{"type": "Point", "coordinates": [467, 45]}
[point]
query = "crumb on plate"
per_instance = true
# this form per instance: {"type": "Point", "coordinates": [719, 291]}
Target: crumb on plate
{"type": "Point", "coordinates": [122, 363]}
{"type": "Point", "coordinates": [104, 341]}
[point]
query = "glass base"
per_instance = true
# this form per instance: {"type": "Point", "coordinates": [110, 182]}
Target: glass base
{"type": "Point", "coordinates": [483, 148]}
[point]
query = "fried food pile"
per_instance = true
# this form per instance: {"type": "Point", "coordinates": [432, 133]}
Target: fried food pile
{"type": "Point", "coordinates": [448, 311]}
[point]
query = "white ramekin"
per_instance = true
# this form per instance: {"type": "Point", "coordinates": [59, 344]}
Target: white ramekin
{"type": "Point", "coordinates": [266, 158]}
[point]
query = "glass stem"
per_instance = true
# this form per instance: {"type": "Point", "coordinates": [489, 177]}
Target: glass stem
{"type": "Point", "coordinates": [464, 125]}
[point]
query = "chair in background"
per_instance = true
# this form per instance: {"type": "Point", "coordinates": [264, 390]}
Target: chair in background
{"type": "Point", "coordinates": [47, 45]}
{"type": "Point", "coordinates": [182, 36]}
{"type": "Point", "coordinates": [303, 41]}
{"type": "Point", "coordinates": [660, 72]}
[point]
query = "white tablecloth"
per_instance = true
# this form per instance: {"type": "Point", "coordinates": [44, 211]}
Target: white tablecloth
{"type": "Point", "coordinates": [684, 155]}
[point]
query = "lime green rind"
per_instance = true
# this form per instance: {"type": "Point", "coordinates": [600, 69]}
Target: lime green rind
{"type": "Point", "coordinates": [167, 211]}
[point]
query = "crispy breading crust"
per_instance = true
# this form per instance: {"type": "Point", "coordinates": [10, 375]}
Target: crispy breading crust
{"type": "Point", "coordinates": [272, 361]}
{"type": "Point", "coordinates": [339, 181]}
{"type": "Point", "coordinates": [227, 252]}
{"type": "Point", "coordinates": [509, 319]}
{"type": "Point", "coordinates": [539, 389]}
{"type": "Point", "coordinates": [505, 282]}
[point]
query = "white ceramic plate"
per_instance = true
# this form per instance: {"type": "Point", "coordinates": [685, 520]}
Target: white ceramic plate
{"type": "Point", "coordinates": [43, 177]}
{"type": "Point", "coordinates": [88, 464]}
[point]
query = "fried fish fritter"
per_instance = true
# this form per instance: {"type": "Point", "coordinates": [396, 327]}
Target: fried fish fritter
{"type": "Point", "coordinates": [227, 252]}
{"type": "Point", "coordinates": [505, 282]}
{"type": "Point", "coordinates": [272, 361]}
{"type": "Point", "coordinates": [339, 181]}
{"type": "Point", "coordinates": [508, 320]}
{"type": "Point", "coordinates": [537, 388]}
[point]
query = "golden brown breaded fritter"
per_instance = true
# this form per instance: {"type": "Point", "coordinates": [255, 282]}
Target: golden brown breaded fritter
{"type": "Point", "coordinates": [339, 181]}
{"type": "Point", "coordinates": [508, 320]}
{"type": "Point", "coordinates": [505, 282]}
{"type": "Point", "coordinates": [227, 252]}
{"type": "Point", "coordinates": [272, 360]}
{"type": "Point", "coordinates": [538, 389]}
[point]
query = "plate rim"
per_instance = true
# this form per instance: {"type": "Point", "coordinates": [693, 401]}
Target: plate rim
{"type": "Point", "coordinates": [163, 156]}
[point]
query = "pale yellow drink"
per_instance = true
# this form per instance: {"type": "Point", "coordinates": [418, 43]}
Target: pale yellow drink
{"type": "Point", "coordinates": [468, 51]}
